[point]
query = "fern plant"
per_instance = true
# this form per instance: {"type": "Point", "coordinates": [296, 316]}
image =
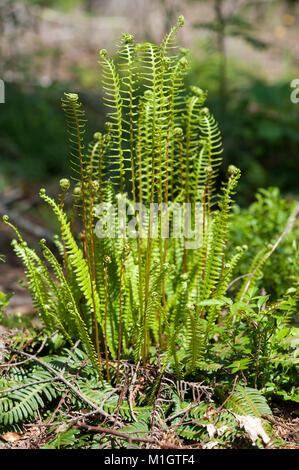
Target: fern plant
{"type": "Point", "coordinates": [139, 296]}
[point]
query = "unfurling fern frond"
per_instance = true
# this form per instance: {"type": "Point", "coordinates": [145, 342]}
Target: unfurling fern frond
{"type": "Point", "coordinates": [75, 119]}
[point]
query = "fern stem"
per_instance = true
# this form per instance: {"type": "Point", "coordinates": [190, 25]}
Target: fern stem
{"type": "Point", "coordinates": [105, 316]}
{"type": "Point", "coordinates": [120, 316]}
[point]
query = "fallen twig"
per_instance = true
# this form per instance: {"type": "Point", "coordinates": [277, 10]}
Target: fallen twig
{"type": "Point", "coordinates": [127, 436]}
{"type": "Point", "coordinates": [37, 382]}
{"type": "Point", "coordinates": [288, 228]}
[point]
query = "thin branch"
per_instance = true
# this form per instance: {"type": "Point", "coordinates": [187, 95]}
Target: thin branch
{"type": "Point", "coordinates": [126, 436]}
{"type": "Point", "coordinates": [237, 279]}
{"type": "Point", "coordinates": [26, 225]}
{"type": "Point", "coordinates": [37, 382]}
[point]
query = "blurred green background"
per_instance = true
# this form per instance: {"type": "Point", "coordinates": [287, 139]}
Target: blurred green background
{"type": "Point", "coordinates": [245, 53]}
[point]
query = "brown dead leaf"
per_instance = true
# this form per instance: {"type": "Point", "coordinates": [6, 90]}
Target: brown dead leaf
{"type": "Point", "coordinates": [11, 436]}
{"type": "Point", "coordinates": [209, 412]}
